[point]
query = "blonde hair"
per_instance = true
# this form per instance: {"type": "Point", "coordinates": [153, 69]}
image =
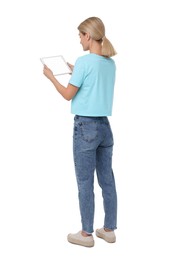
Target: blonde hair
{"type": "Point", "coordinates": [95, 27]}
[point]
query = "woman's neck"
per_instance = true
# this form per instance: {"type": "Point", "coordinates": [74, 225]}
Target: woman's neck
{"type": "Point", "coordinates": [95, 47]}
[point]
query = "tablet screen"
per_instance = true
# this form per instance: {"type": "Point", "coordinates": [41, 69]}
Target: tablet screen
{"type": "Point", "coordinates": [57, 64]}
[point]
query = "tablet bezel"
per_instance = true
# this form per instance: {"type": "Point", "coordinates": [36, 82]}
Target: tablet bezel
{"type": "Point", "coordinates": [67, 69]}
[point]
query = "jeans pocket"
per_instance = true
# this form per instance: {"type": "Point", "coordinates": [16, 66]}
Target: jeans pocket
{"type": "Point", "coordinates": [89, 131]}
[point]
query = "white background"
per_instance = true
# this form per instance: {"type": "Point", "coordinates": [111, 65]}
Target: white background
{"type": "Point", "coordinates": [38, 192]}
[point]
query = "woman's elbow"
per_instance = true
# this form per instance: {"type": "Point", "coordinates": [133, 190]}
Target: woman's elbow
{"type": "Point", "coordinates": [68, 97]}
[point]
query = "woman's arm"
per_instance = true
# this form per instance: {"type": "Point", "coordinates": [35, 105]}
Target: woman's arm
{"type": "Point", "coordinates": [67, 92]}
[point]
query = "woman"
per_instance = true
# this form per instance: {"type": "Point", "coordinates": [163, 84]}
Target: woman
{"type": "Point", "coordinates": [91, 89]}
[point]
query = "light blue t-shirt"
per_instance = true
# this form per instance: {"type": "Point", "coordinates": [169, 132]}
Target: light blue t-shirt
{"type": "Point", "coordinates": [94, 75]}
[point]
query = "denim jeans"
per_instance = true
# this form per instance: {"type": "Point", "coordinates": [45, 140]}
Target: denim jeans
{"type": "Point", "coordinates": [92, 149]}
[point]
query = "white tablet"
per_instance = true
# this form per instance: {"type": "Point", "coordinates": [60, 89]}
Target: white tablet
{"type": "Point", "coordinates": [57, 64]}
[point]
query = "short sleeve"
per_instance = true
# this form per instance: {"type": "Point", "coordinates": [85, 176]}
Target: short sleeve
{"type": "Point", "coordinates": [77, 77]}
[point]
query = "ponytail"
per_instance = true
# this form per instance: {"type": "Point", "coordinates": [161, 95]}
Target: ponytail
{"type": "Point", "coordinates": [107, 48]}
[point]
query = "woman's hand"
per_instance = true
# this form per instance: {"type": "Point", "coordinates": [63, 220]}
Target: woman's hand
{"type": "Point", "coordinates": [70, 65]}
{"type": "Point", "coordinates": [47, 72]}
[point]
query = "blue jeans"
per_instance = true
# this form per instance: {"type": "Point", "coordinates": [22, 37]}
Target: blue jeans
{"type": "Point", "coordinates": [92, 149]}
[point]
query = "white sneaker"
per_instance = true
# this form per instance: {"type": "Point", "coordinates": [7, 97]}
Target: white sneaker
{"type": "Point", "coordinates": [79, 239]}
{"type": "Point", "coordinates": [108, 236]}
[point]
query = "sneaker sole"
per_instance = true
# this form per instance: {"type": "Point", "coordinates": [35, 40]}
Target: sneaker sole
{"type": "Point", "coordinates": [80, 243]}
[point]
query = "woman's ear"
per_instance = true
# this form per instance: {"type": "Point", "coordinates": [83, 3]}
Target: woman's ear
{"type": "Point", "coordinates": [88, 36]}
